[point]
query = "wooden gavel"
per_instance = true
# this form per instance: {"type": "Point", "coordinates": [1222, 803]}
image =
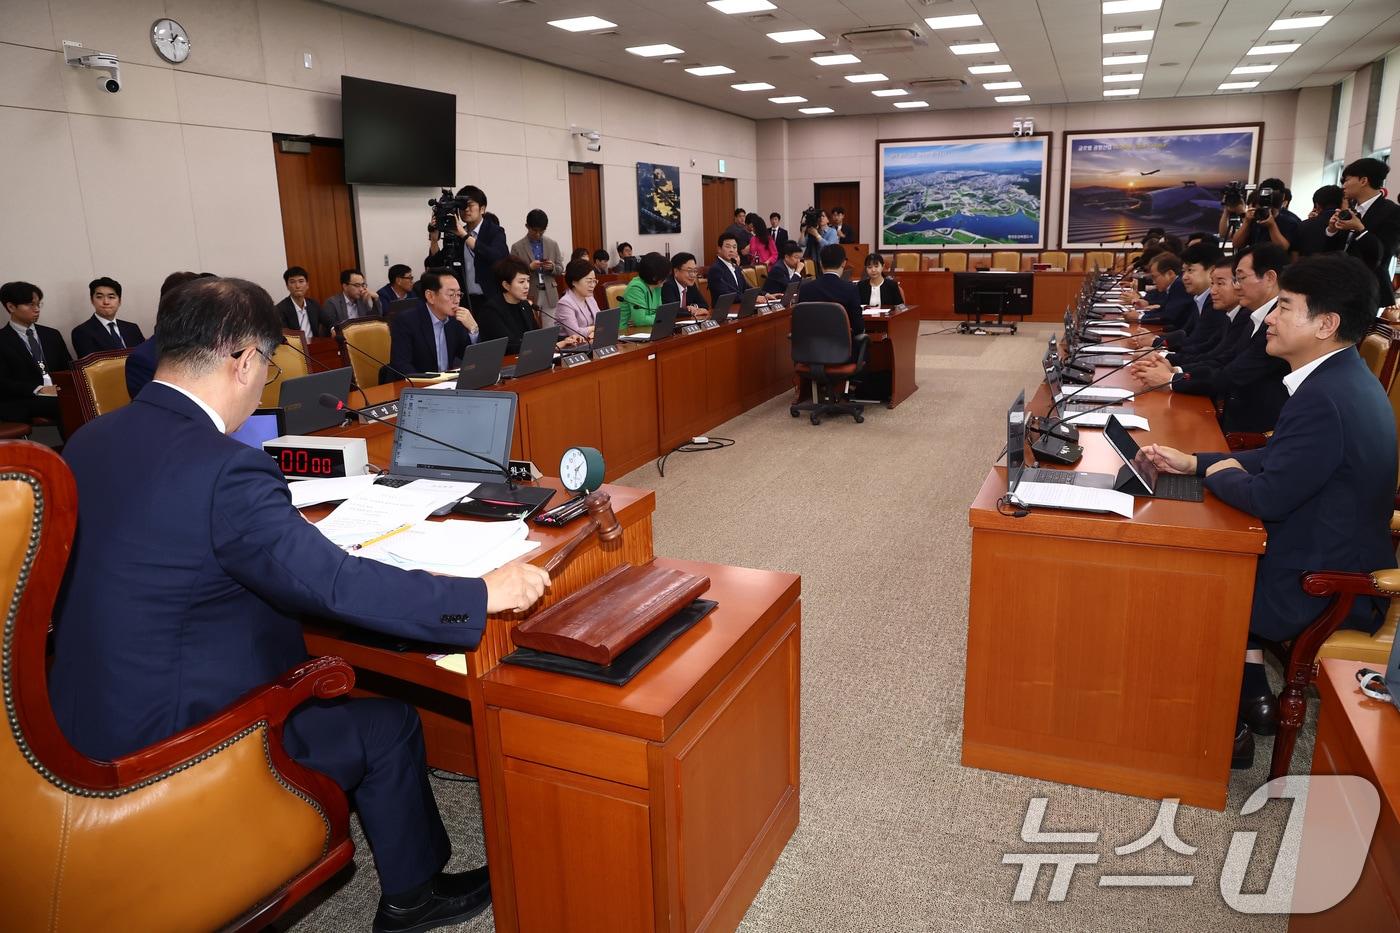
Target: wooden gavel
{"type": "Point", "coordinates": [601, 519]}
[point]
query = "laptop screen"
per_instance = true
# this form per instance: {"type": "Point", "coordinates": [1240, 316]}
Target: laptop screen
{"type": "Point", "coordinates": [1015, 441]}
{"type": "Point", "coordinates": [483, 422]}
{"type": "Point", "coordinates": [262, 425]}
{"type": "Point", "coordinates": [1127, 449]}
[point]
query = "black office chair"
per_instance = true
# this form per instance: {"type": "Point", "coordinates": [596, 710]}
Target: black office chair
{"type": "Point", "coordinates": [824, 352]}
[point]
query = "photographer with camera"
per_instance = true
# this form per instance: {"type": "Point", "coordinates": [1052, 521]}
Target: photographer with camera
{"type": "Point", "coordinates": [465, 241]}
{"type": "Point", "coordinates": [1267, 220]}
{"type": "Point", "coordinates": [1232, 210]}
{"type": "Point", "coordinates": [1312, 235]}
{"type": "Point", "coordinates": [1368, 225]}
{"type": "Point", "coordinates": [812, 242]}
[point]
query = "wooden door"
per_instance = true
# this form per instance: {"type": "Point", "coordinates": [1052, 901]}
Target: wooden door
{"type": "Point", "coordinates": [719, 195]}
{"type": "Point", "coordinates": [586, 205]}
{"type": "Point", "coordinates": [318, 223]}
{"type": "Point", "coordinates": [829, 195]}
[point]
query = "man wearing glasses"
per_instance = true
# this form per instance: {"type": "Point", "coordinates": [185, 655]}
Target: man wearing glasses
{"type": "Point", "coordinates": [29, 354]}
{"type": "Point", "coordinates": [352, 301]}
{"type": "Point", "coordinates": [683, 286]}
{"type": "Point", "coordinates": [190, 575]}
{"type": "Point", "coordinates": [431, 339]}
{"type": "Point", "coordinates": [399, 287]}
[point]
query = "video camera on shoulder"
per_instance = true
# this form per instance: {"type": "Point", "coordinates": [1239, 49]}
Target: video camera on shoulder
{"type": "Point", "coordinates": [1266, 201]}
{"type": "Point", "coordinates": [811, 217]}
{"type": "Point", "coordinates": [445, 208]}
{"type": "Point", "coordinates": [1234, 194]}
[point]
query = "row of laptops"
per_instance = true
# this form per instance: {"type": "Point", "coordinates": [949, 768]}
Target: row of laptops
{"type": "Point", "coordinates": [668, 315]}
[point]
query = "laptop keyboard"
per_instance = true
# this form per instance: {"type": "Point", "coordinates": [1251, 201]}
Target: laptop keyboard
{"type": "Point", "coordinates": [395, 481]}
{"type": "Point", "coordinates": [1062, 477]}
{"type": "Point", "coordinates": [1180, 487]}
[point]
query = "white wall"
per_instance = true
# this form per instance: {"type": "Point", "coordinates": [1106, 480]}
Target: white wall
{"type": "Point", "coordinates": [176, 171]}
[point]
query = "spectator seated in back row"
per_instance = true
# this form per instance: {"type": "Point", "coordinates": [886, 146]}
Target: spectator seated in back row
{"type": "Point", "coordinates": [29, 354]}
{"type": "Point", "coordinates": [103, 331]}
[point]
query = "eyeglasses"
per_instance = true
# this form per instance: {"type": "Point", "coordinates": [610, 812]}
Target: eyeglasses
{"type": "Point", "coordinates": [273, 370]}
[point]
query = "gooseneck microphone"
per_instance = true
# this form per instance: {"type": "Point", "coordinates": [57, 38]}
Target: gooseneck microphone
{"type": "Point", "coordinates": [354, 383]}
{"type": "Point", "coordinates": [330, 401]}
{"type": "Point", "coordinates": [340, 337]}
{"type": "Point", "coordinates": [587, 340]}
{"type": "Point", "coordinates": [1184, 377]}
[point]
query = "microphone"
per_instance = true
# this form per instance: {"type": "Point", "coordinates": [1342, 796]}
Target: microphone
{"type": "Point", "coordinates": [340, 338]}
{"type": "Point", "coordinates": [1185, 377]}
{"type": "Point", "coordinates": [587, 341]}
{"type": "Point", "coordinates": [310, 359]}
{"type": "Point", "coordinates": [1055, 443]}
{"type": "Point", "coordinates": [330, 401]}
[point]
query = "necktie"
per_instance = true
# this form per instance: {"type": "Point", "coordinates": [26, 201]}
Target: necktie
{"type": "Point", "coordinates": [35, 349]}
{"type": "Point", "coordinates": [116, 334]}
{"type": "Point", "coordinates": [440, 335]}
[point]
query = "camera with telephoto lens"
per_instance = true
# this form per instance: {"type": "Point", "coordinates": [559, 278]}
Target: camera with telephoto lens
{"type": "Point", "coordinates": [1267, 200]}
{"type": "Point", "coordinates": [1233, 195]}
{"type": "Point", "coordinates": [445, 210]}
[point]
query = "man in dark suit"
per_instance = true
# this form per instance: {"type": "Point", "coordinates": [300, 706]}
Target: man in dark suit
{"type": "Point", "coordinates": [103, 331]}
{"type": "Point", "coordinates": [298, 311]}
{"type": "Point", "coordinates": [141, 363]}
{"type": "Point", "coordinates": [776, 231]}
{"type": "Point", "coordinates": [1250, 383]}
{"type": "Point", "coordinates": [352, 301]}
{"type": "Point", "coordinates": [1312, 237]}
{"type": "Point", "coordinates": [1372, 226]}
{"type": "Point", "coordinates": [1204, 328]}
{"type": "Point", "coordinates": [1173, 307]}
{"type": "Point", "coordinates": [29, 353]}
{"type": "Point", "coordinates": [838, 223]}
{"type": "Point", "coordinates": [171, 614]}
{"type": "Point", "coordinates": [724, 275]}
{"type": "Point", "coordinates": [485, 239]}
{"type": "Point", "coordinates": [398, 288]}
{"type": "Point", "coordinates": [1324, 483]}
{"type": "Point", "coordinates": [683, 286]}
{"type": "Point", "coordinates": [431, 339]}
{"type": "Point", "coordinates": [786, 272]}
{"type": "Point", "coordinates": [829, 286]}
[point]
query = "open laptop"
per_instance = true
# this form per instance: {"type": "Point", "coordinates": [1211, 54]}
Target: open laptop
{"type": "Point", "coordinates": [1016, 469]}
{"type": "Point", "coordinates": [481, 364]}
{"type": "Point", "coordinates": [605, 327]}
{"type": "Point", "coordinates": [790, 293]}
{"type": "Point", "coordinates": [262, 425]}
{"type": "Point", "coordinates": [1060, 408]}
{"type": "Point", "coordinates": [1149, 481]}
{"type": "Point", "coordinates": [748, 304]}
{"type": "Point", "coordinates": [299, 400]}
{"type": "Point", "coordinates": [479, 422]}
{"type": "Point", "coordinates": [536, 354]}
{"type": "Point", "coordinates": [663, 327]}
{"type": "Point", "coordinates": [722, 305]}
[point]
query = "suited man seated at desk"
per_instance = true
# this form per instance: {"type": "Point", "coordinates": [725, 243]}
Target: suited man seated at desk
{"type": "Point", "coordinates": [683, 287]}
{"type": "Point", "coordinates": [509, 313]}
{"type": "Point", "coordinates": [830, 286]}
{"type": "Point", "coordinates": [431, 339]}
{"type": "Point", "coordinates": [352, 301]}
{"type": "Point", "coordinates": [398, 288]}
{"type": "Point", "coordinates": [1196, 265]}
{"type": "Point", "coordinates": [724, 275]}
{"type": "Point", "coordinates": [1224, 326]}
{"type": "Point", "coordinates": [1169, 304]}
{"type": "Point", "coordinates": [877, 291]}
{"type": "Point", "coordinates": [141, 362]}
{"type": "Point", "coordinates": [300, 312]}
{"type": "Point", "coordinates": [29, 353]}
{"type": "Point", "coordinates": [103, 331]}
{"type": "Point", "coordinates": [782, 274]}
{"type": "Point", "coordinates": [1324, 483]}
{"type": "Point", "coordinates": [170, 614]}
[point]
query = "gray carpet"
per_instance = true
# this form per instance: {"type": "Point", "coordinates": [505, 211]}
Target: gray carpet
{"type": "Point", "coordinates": [896, 835]}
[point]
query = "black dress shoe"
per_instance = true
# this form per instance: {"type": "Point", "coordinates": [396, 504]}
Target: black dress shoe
{"type": "Point", "coordinates": [1242, 758]}
{"type": "Point", "coordinates": [454, 899]}
{"type": "Point", "coordinates": [1260, 714]}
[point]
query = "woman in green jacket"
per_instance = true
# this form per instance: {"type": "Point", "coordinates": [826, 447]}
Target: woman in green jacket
{"type": "Point", "coordinates": [643, 295]}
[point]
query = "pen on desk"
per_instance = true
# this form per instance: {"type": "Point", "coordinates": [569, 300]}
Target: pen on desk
{"type": "Point", "coordinates": [376, 539]}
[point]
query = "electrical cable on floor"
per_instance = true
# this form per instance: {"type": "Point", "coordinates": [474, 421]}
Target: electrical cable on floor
{"type": "Point", "coordinates": [450, 777]}
{"type": "Point", "coordinates": [935, 333]}
{"type": "Point", "coordinates": [691, 447]}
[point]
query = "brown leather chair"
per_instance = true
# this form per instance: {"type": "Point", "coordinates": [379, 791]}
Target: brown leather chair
{"type": "Point", "coordinates": [932, 261]}
{"type": "Point", "coordinates": [1076, 263]}
{"type": "Point", "coordinates": [1008, 261]}
{"type": "Point", "coordinates": [1059, 259]}
{"type": "Point", "coordinates": [955, 262]}
{"type": "Point", "coordinates": [761, 270]}
{"type": "Point", "coordinates": [214, 828]}
{"type": "Point", "coordinates": [1103, 259]}
{"type": "Point", "coordinates": [906, 262]}
{"type": "Point", "coordinates": [290, 363]}
{"type": "Point", "coordinates": [751, 276]}
{"type": "Point", "coordinates": [979, 261]}
{"type": "Point", "coordinates": [14, 430]}
{"type": "Point", "coordinates": [99, 382]}
{"type": "Point", "coordinates": [370, 334]}
{"type": "Point", "coordinates": [614, 293]}
{"type": "Point", "coordinates": [823, 352]}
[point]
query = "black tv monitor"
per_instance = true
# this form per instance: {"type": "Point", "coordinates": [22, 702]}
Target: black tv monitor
{"type": "Point", "coordinates": [992, 293]}
{"type": "Point", "coordinates": [396, 135]}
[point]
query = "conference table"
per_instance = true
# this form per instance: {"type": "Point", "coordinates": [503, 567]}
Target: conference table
{"type": "Point", "coordinates": [1107, 652]}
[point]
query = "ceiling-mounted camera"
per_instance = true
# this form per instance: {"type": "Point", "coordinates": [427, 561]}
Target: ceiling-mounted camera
{"type": "Point", "coordinates": [593, 138]}
{"type": "Point", "coordinates": [1023, 126]}
{"type": "Point", "coordinates": [74, 54]}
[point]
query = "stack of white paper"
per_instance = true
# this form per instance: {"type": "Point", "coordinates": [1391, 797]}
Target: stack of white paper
{"type": "Point", "coordinates": [307, 492]}
{"type": "Point", "coordinates": [378, 510]}
{"type": "Point", "coordinates": [1099, 419]}
{"type": "Point", "coordinates": [1077, 498]}
{"type": "Point", "coordinates": [455, 548]}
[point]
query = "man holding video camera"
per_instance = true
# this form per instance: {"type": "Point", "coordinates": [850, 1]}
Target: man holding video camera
{"type": "Point", "coordinates": [470, 244]}
{"type": "Point", "coordinates": [1267, 220]}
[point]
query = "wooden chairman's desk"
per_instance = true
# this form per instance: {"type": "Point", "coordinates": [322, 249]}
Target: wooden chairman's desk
{"type": "Point", "coordinates": [1051, 292]}
{"type": "Point", "coordinates": [1107, 652]}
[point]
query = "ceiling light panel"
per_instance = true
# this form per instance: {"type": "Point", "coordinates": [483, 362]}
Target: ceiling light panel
{"type": "Point", "coordinates": [787, 100]}
{"type": "Point", "coordinates": [655, 51]}
{"type": "Point", "coordinates": [1120, 79]}
{"type": "Point", "coordinates": [961, 21]}
{"type": "Point", "coordinates": [796, 35]}
{"type": "Point", "coordinates": [741, 6]}
{"type": "Point", "coordinates": [705, 71]}
{"type": "Point", "coordinates": [753, 86]}
{"type": "Point", "coordinates": [1135, 35]}
{"type": "Point", "coordinates": [1298, 22]}
{"type": "Point", "coordinates": [1238, 85]}
{"type": "Point", "coordinates": [973, 48]}
{"type": "Point", "coordinates": [1278, 48]}
{"type": "Point", "coordinates": [1002, 85]}
{"type": "Point", "coordinates": [582, 24]}
{"type": "Point", "coordinates": [1252, 69]}
{"type": "Point", "coordinates": [816, 110]}
{"type": "Point", "coordinates": [910, 104]}
{"type": "Point", "coordinates": [867, 79]}
{"type": "Point", "coordinates": [1122, 92]}
{"type": "Point", "coordinates": [891, 92]}
{"type": "Point", "coordinates": [1130, 6]}
{"type": "Point", "coordinates": [1124, 59]}
{"type": "Point", "coordinates": [839, 59]}
{"type": "Point", "coordinates": [1013, 98]}
{"type": "Point", "coordinates": [989, 69]}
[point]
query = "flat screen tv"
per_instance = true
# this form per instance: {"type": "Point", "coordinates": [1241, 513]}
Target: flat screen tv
{"type": "Point", "coordinates": [396, 135]}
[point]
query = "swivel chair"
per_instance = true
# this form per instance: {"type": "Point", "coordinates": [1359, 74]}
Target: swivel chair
{"type": "Point", "coordinates": [824, 352]}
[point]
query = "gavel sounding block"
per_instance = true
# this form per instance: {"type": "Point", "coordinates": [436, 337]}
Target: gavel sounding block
{"type": "Point", "coordinates": [609, 615]}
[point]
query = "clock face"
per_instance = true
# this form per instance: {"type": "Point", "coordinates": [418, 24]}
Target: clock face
{"type": "Point", "coordinates": [573, 469]}
{"type": "Point", "coordinates": [170, 40]}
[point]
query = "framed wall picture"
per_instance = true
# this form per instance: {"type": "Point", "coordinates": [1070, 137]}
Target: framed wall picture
{"type": "Point", "coordinates": [658, 198]}
{"type": "Point", "coordinates": [1119, 185]}
{"type": "Point", "coordinates": [966, 193]}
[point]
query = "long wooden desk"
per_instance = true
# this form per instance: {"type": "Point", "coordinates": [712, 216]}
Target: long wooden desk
{"type": "Point", "coordinates": [894, 348]}
{"type": "Point", "coordinates": [1051, 292]}
{"type": "Point", "coordinates": [1108, 652]}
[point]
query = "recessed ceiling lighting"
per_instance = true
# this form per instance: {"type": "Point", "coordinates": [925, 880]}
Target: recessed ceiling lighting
{"type": "Point", "coordinates": [753, 86]}
{"type": "Point", "coordinates": [1002, 85]}
{"type": "Point", "coordinates": [1130, 6]}
{"type": "Point", "coordinates": [1252, 69]}
{"type": "Point", "coordinates": [973, 48]}
{"type": "Point", "coordinates": [1278, 48]}
{"type": "Point", "coordinates": [989, 69]}
{"type": "Point", "coordinates": [796, 35]}
{"type": "Point", "coordinates": [1298, 22]}
{"type": "Point", "coordinates": [1135, 35]}
{"type": "Point", "coordinates": [954, 22]}
{"type": "Point", "coordinates": [741, 6]}
{"type": "Point", "coordinates": [891, 92]}
{"type": "Point", "coordinates": [816, 110]}
{"type": "Point", "coordinates": [1238, 85]}
{"type": "Point", "coordinates": [1012, 98]}
{"type": "Point", "coordinates": [868, 78]}
{"type": "Point", "coordinates": [1122, 92]}
{"type": "Point", "coordinates": [655, 51]}
{"type": "Point", "coordinates": [910, 104]}
{"type": "Point", "coordinates": [1187, 23]}
{"type": "Point", "coordinates": [1119, 79]}
{"type": "Point", "coordinates": [1124, 59]}
{"type": "Point", "coordinates": [669, 61]}
{"type": "Point", "coordinates": [582, 24]}
{"type": "Point", "coordinates": [838, 59]}
{"type": "Point", "coordinates": [705, 71]}
{"type": "Point", "coordinates": [788, 100]}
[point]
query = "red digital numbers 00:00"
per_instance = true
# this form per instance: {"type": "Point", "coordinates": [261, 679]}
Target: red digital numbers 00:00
{"type": "Point", "coordinates": [304, 463]}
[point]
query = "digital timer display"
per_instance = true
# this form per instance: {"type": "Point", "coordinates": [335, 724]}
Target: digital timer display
{"type": "Point", "coordinates": [309, 462]}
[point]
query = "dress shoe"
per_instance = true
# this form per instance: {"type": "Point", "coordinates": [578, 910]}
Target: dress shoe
{"type": "Point", "coordinates": [1242, 758]}
{"type": "Point", "coordinates": [454, 899]}
{"type": "Point", "coordinates": [1260, 714]}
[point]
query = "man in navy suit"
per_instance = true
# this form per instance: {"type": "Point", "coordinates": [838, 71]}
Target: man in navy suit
{"type": "Point", "coordinates": [1371, 232]}
{"type": "Point", "coordinates": [786, 272]}
{"type": "Point", "coordinates": [725, 276]}
{"type": "Point", "coordinates": [482, 242]}
{"type": "Point", "coordinates": [300, 311]}
{"type": "Point", "coordinates": [1324, 483]}
{"type": "Point", "coordinates": [141, 363]}
{"type": "Point", "coordinates": [398, 288]}
{"type": "Point", "coordinates": [431, 339]}
{"type": "Point", "coordinates": [1203, 328]}
{"type": "Point", "coordinates": [1174, 308]}
{"type": "Point", "coordinates": [829, 286]}
{"type": "Point", "coordinates": [29, 352]}
{"type": "Point", "coordinates": [171, 614]}
{"type": "Point", "coordinates": [683, 287]}
{"type": "Point", "coordinates": [776, 231]}
{"type": "Point", "coordinates": [103, 331]}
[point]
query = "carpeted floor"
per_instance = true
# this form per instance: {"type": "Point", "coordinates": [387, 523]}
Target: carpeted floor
{"type": "Point", "coordinates": [896, 835]}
